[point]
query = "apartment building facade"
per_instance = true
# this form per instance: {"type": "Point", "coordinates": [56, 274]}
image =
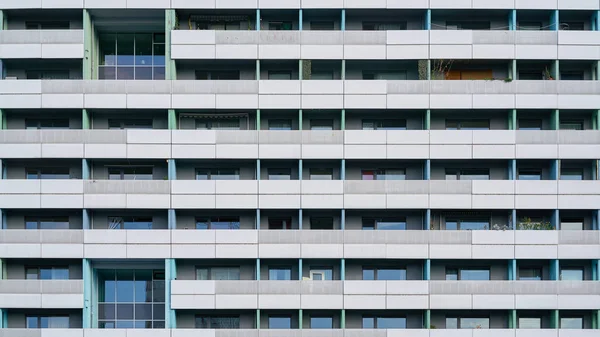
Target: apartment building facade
{"type": "Point", "coordinates": [258, 168]}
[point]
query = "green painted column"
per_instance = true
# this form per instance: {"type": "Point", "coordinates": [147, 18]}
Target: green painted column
{"type": "Point", "coordinates": [87, 294]}
{"type": "Point", "coordinates": [343, 120]}
{"type": "Point", "coordinates": [512, 319]}
{"type": "Point", "coordinates": [258, 119]}
{"type": "Point", "coordinates": [427, 120]}
{"type": "Point", "coordinates": [300, 119]}
{"type": "Point", "coordinates": [258, 319]}
{"type": "Point", "coordinates": [343, 319]}
{"type": "Point", "coordinates": [170, 24]}
{"type": "Point", "coordinates": [596, 120]}
{"type": "Point", "coordinates": [555, 120]}
{"type": "Point", "coordinates": [2, 120]}
{"type": "Point", "coordinates": [170, 275]}
{"type": "Point", "coordinates": [343, 74]}
{"type": "Point", "coordinates": [427, 319]}
{"type": "Point", "coordinates": [300, 319]}
{"type": "Point", "coordinates": [555, 319]}
{"type": "Point", "coordinates": [88, 50]}
{"type": "Point", "coordinates": [85, 119]}
{"type": "Point", "coordinates": [172, 119]}
{"type": "Point", "coordinates": [512, 120]}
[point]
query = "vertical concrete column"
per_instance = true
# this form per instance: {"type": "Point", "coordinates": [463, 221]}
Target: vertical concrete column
{"type": "Point", "coordinates": [343, 120]}
{"type": "Point", "coordinates": [170, 67]}
{"type": "Point", "coordinates": [88, 50]}
{"type": "Point", "coordinates": [170, 275]}
{"type": "Point", "coordinates": [300, 269]}
{"type": "Point", "coordinates": [343, 219]}
{"type": "Point", "coordinates": [512, 270]}
{"type": "Point", "coordinates": [85, 119]}
{"type": "Point", "coordinates": [556, 219]}
{"type": "Point", "coordinates": [554, 270]}
{"type": "Point", "coordinates": [86, 219]}
{"type": "Point", "coordinates": [512, 319]}
{"type": "Point", "coordinates": [427, 220]}
{"type": "Point", "coordinates": [427, 277]}
{"type": "Point", "coordinates": [172, 167]}
{"type": "Point", "coordinates": [515, 221]}
{"type": "Point", "coordinates": [300, 319]}
{"type": "Point", "coordinates": [2, 114]}
{"type": "Point", "coordinates": [596, 119]}
{"type": "Point", "coordinates": [172, 219]}
{"type": "Point", "coordinates": [1, 71]}
{"type": "Point", "coordinates": [258, 19]}
{"type": "Point", "coordinates": [512, 20]}
{"type": "Point", "coordinates": [427, 170]}
{"type": "Point", "coordinates": [427, 120]}
{"type": "Point", "coordinates": [86, 172]}
{"type": "Point", "coordinates": [427, 21]}
{"type": "Point", "coordinates": [554, 20]}
{"type": "Point", "coordinates": [87, 294]}
{"type": "Point", "coordinates": [257, 119]}
{"type": "Point", "coordinates": [300, 120]}
{"type": "Point", "coordinates": [258, 269]}
{"type": "Point", "coordinates": [172, 119]}
{"type": "Point", "coordinates": [512, 169]}
{"type": "Point", "coordinates": [427, 319]}
{"type": "Point", "coordinates": [512, 120]}
{"type": "Point", "coordinates": [594, 20]}
{"type": "Point", "coordinates": [300, 219]}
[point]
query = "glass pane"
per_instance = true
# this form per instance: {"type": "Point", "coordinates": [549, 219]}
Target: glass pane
{"type": "Point", "coordinates": [142, 286]}
{"type": "Point", "coordinates": [107, 311]}
{"type": "Point", "coordinates": [143, 50]}
{"type": "Point", "coordinates": [54, 224]}
{"type": "Point", "coordinates": [143, 73]}
{"type": "Point", "coordinates": [125, 73]}
{"type": "Point", "coordinates": [479, 174]}
{"type": "Point", "coordinates": [108, 50]}
{"type": "Point", "coordinates": [530, 274]}
{"type": "Point", "coordinates": [451, 322]}
{"type": "Point", "coordinates": [280, 322]}
{"type": "Point", "coordinates": [225, 273]}
{"type": "Point", "coordinates": [368, 274]}
{"type": "Point", "coordinates": [107, 73]}
{"type": "Point", "coordinates": [106, 324]}
{"type": "Point", "coordinates": [474, 275]}
{"type": "Point", "coordinates": [571, 174]}
{"type": "Point", "coordinates": [159, 72]}
{"type": "Point", "coordinates": [530, 175]}
{"type": "Point", "coordinates": [281, 274]}
{"type": "Point", "coordinates": [158, 290]}
{"type": "Point", "coordinates": [158, 311]}
{"type": "Point", "coordinates": [571, 225]}
{"type": "Point", "coordinates": [202, 274]}
{"type": "Point", "coordinates": [124, 286]}
{"type": "Point", "coordinates": [280, 124]}
{"type": "Point", "coordinates": [574, 274]}
{"type": "Point", "coordinates": [391, 323]}
{"type": "Point", "coordinates": [280, 174]}
{"type": "Point", "coordinates": [125, 52]}
{"type": "Point", "coordinates": [392, 174]}
{"type": "Point", "coordinates": [54, 273]}
{"type": "Point", "coordinates": [321, 274]}
{"type": "Point", "coordinates": [32, 322]}
{"type": "Point", "coordinates": [124, 311]}
{"type": "Point", "coordinates": [143, 311]}
{"type": "Point", "coordinates": [124, 325]}
{"type": "Point", "coordinates": [474, 225]}
{"type": "Point", "coordinates": [368, 322]}
{"type": "Point", "coordinates": [391, 274]}
{"type": "Point", "coordinates": [474, 323]}
{"type": "Point", "coordinates": [31, 273]}
{"type": "Point", "coordinates": [321, 322]}
{"type": "Point", "coordinates": [451, 275]}
{"type": "Point", "coordinates": [391, 225]}
{"type": "Point", "coordinates": [530, 124]}
{"type": "Point", "coordinates": [368, 175]}
{"type": "Point", "coordinates": [530, 323]}
{"type": "Point", "coordinates": [158, 324]}
{"type": "Point", "coordinates": [571, 323]}
{"type": "Point", "coordinates": [57, 322]}
{"type": "Point", "coordinates": [110, 286]}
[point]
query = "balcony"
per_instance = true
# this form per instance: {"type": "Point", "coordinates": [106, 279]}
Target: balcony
{"type": "Point", "coordinates": [43, 294]}
{"type": "Point", "coordinates": [44, 44]}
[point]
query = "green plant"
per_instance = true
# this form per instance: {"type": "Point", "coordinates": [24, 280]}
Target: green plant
{"type": "Point", "coordinates": [528, 224]}
{"type": "Point", "coordinates": [508, 80]}
{"type": "Point", "coordinates": [440, 69]}
{"type": "Point", "coordinates": [547, 74]}
{"type": "Point", "coordinates": [432, 326]}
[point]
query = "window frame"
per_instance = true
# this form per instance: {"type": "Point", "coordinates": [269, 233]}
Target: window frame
{"type": "Point", "coordinates": [531, 318]}
{"type": "Point", "coordinates": [39, 172]}
{"type": "Point", "coordinates": [538, 270]}
{"type": "Point", "coordinates": [376, 270]}
{"type": "Point", "coordinates": [123, 171]}
{"type": "Point", "coordinates": [271, 172]}
{"type": "Point", "coordinates": [39, 321]}
{"type": "Point", "coordinates": [38, 272]}
{"type": "Point", "coordinates": [582, 269]}
{"type": "Point", "coordinates": [324, 174]}
{"type": "Point", "coordinates": [313, 270]}
{"type": "Point", "coordinates": [287, 316]}
{"type": "Point", "coordinates": [280, 267]}
{"type": "Point", "coordinates": [372, 223]}
{"type": "Point", "coordinates": [376, 322]}
{"type": "Point", "coordinates": [459, 270]}
{"type": "Point", "coordinates": [284, 122]}
{"type": "Point", "coordinates": [210, 270]}
{"type": "Point", "coordinates": [212, 173]}
{"type": "Point", "coordinates": [320, 316]}
{"type": "Point", "coordinates": [121, 225]}
{"type": "Point", "coordinates": [459, 124]}
{"type": "Point", "coordinates": [209, 220]}
{"type": "Point", "coordinates": [38, 220]}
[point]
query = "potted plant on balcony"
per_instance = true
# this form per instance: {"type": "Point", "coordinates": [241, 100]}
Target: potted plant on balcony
{"type": "Point", "coordinates": [529, 225]}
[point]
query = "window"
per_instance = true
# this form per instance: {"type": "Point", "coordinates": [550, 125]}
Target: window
{"type": "Point", "coordinates": [217, 322]}
{"type": "Point", "coordinates": [531, 75]}
{"type": "Point", "coordinates": [571, 125]}
{"type": "Point", "coordinates": [217, 75]}
{"type": "Point", "coordinates": [321, 25]}
{"type": "Point", "coordinates": [474, 124]}
{"type": "Point", "coordinates": [218, 222]}
{"type": "Point", "coordinates": [321, 75]}
{"type": "Point", "coordinates": [467, 274]}
{"type": "Point", "coordinates": [571, 274]}
{"type": "Point", "coordinates": [321, 322]}
{"type": "Point", "coordinates": [280, 25]}
{"type": "Point", "coordinates": [47, 273]}
{"type": "Point", "coordinates": [466, 224]}
{"type": "Point", "coordinates": [321, 124]}
{"type": "Point", "coordinates": [384, 224]}
{"type": "Point", "coordinates": [218, 124]}
{"type": "Point", "coordinates": [279, 173]}
{"type": "Point", "coordinates": [371, 25]}
{"type": "Point", "coordinates": [48, 173]}
{"type": "Point", "coordinates": [280, 273]}
{"type": "Point", "coordinates": [467, 322]}
{"type": "Point", "coordinates": [571, 224]}
{"type": "Point", "coordinates": [129, 222]}
{"type": "Point", "coordinates": [468, 25]}
{"type": "Point", "coordinates": [45, 124]}
{"type": "Point", "coordinates": [47, 322]}
{"type": "Point", "coordinates": [226, 23]}
{"type": "Point", "coordinates": [218, 174]}
{"type": "Point", "coordinates": [530, 174]}
{"type": "Point", "coordinates": [56, 222]}
{"type": "Point", "coordinates": [280, 322]}
{"type": "Point", "coordinates": [383, 322]}
{"type": "Point", "coordinates": [280, 75]}
{"type": "Point", "coordinates": [47, 25]}
{"type": "Point", "coordinates": [384, 124]}
{"type": "Point", "coordinates": [384, 174]}
{"type": "Point", "coordinates": [217, 273]}
{"type": "Point", "coordinates": [131, 56]}
{"type": "Point", "coordinates": [130, 173]}
{"type": "Point", "coordinates": [530, 124]}
{"type": "Point", "coordinates": [529, 25]}
{"type": "Point", "coordinates": [321, 223]}
{"type": "Point", "coordinates": [572, 25]}
{"type": "Point", "coordinates": [571, 322]}
{"type": "Point", "coordinates": [131, 298]}
{"type": "Point", "coordinates": [321, 174]}
{"type": "Point", "coordinates": [530, 274]}
{"type": "Point", "coordinates": [321, 274]}
{"type": "Point", "coordinates": [47, 74]}
{"type": "Point", "coordinates": [468, 174]}
{"type": "Point", "coordinates": [280, 223]}
{"type": "Point", "coordinates": [571, 174]}
{"type": "Point", "coordinates": [384, 75]}
{"type": "Point", "coordinates": [571, 75]}
{"type": "Point", "coordinates": [120, 124]}
{"type": "Point", "coordinates": [384, 274]}
{"type": "Point", "coordinates": [280, 124]}
{"type": "Point", "coordinates": [530, 323]}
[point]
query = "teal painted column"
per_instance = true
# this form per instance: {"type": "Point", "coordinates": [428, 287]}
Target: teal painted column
{"type": "Point", "coordinates": [554, 20]}
{"type": "Point", "coordinates": [85, 119]}
{"type": "Point", "coordinates": [3, 222]}
{"type": "Point", "coordinates": [300, 219]}
{"type": "Point", "coordinates": [88, 54]}
{"type": "Point", "coordinates": [170, 275]}
{"type": "Point", "coordinates": [343, 25]}
{"type": "Point", "coordinates": [172, 119]}
{"type": "Point", "coordinates": [300, 269]}
{"type": "Point", "coordinates": [258, 219]}
{"type": "Point", "coordinates": [556, 219]}
{"type": "Point", "coordinates": [343, 120]}
{"type": "Point", "coordinates": [300, 119]}
{"type": "Point", "coordinates": [427, 222]}
{"type": "Point", "coordinates": [170, 67]}
{"type": "Point", "coordinates": [554, 270]}
{"type": "Point", "coordinates": [555, 121]}
{"type": "Point", "coordinates": [512, 169]}
{"type": "Point", "coordinates": [512, 120]}
{"type": "Point", "coordinates": [300, 19]}
{"type": "Point", "coordinates": [258, 19]}
{"type": "Point", "coordinates": [343, 219]}
{"type": "Point", "coordinates": [258, 269]}
{"type": "Point", "coordinates": [343, 269]}
{"type": "Point", "coordinates": [512, 20]}
{"type": "Point", "coordinates": [172, 219]}
{"type": "Point", "coordinates": [2, 114]}
{"type": "Point", "coordinates": [85, 169]}
{"type": "Point", "coordinates": [594, 270]}
{"type": "Point", "coordinates": [514, 223]}
{"type": "Point", "coordinates": [427, 120]}
{"type": "Point", "coordinates": [427, 20]}
{"type": "Point", "coordinates": [86, 219]}
{"type": "Point", "coordinates": [427, 277]}
{"type": "Point", "coordinates": [427, 170]}
{"type": "Point", "coordinates": [87, 294]}
{"type": "Point", "coordinates": [555, 169]}
{"type": "Point", "coordinates": [343, 170]}
{"type": "Point", "coordinates": [512, 270]}
{"type": "Point", "coordinates": [172, 167]}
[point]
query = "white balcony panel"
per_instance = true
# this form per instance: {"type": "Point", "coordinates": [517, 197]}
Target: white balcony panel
{"type": "Point", "coordinates": [365, 251]}
{"type": "Point", "coordinates": [237, 186]}
{"type": "Point", "coordinates": [143, 151]}
{"type": "Point", "coordinates": [236, 252]}
{"type": "Point", "coordinates": [492, 252]}
{"type": "Point", "coordinates": [62, 251]}
{"type": "Point", "coordinates": [20, 151]}
{"type": "Point", "coordinates": [322, 302]}
{"type": "Point", "coordinates": [578, 4]}
{"type": "Point", "coordinates": [578, 252]}
{"type": "Point", "coordinates": [322, 3]}
{"type": "Point", "coordinates": [407, 52]}
{"type": "Point", "coordinates": [536, 302]}
{"type": "Point", "coordinates": [358, 201]}
{"type": "Point", "coordinates": [493, 237]}
{"type": "Point", "coordinates": [374, 87]}
{"type": "Point", "coordinates": [279, 87]}
{"type": "Point", "coordinates": [536, 252]}
{"type": "Point", "coordinates": [493, 151]}
{"type": "Point", "coordinates": [578, 201]}
{"type": "Point", "coordinates": [365, 4]}
{"type": "Point", "coordinates": [185, 251]}
{"type": "Point", "coordinates": [578, 101]}
{"type": "Point", "coordinates": [105, 101]}
{"type": "Point", "coordinates": [536, 201]}
{"type": "Point", "coordinates": [63, 101]}
{"type": "Point", "coordinates": [364, 302]}
{"type": "Point", "coordinates": [236, 302]}
{"type": "Point", "coordinates": [451, 101]}
{"type": "Point", "coordinates": [579, 151]}
{"type": "Point", "coordinates": [450, 201]}
{"type": "Point", "coordinates": [237, 151]}
{"type": "Point", "coordinates": [533, 187]}
{"type": "Point", "coordinates": [192, 36]}
{"type": "Point", "coordinates": [278, 251]}
{"type": "Point", "coordinates": [279, 52]}
{"type": "Point", "coordinates": [496, 101]}
{"type": "Point", "coordinates": [232, 52]}
{"type": "Point", "coordinates": [454, 302]}
{"type": "Point", "coordinates": [352, 287]}
{"type": "Point", "coordinates": [492, 51]}
{"type": "Point", "coordinates": [105, 251]}
{"type": "Point", "coordinates": [112, 4]}
{"type": "Point", "coordinates": [20, 101]}
{"type": "Point", "coordinates": [279, 151]}
{"type": "Point", "coordinates": [365, 137]}
{"type": "Point", "coordinates": [408, 37]}
{"type": "Point", "coordinates": [193, 237]}
{"type": "Point", "coordinates": [493, 187]}
{"type": "Point", "coordinates": [322, 101]}
{"type": "Point", "coordinates": [21, 301]}
{"type": "Point", "coordinates": [451, 37]}
{"type": "Point", "coordinates": [493, 4]}
{"type": "Point", "coordinates": [450, 252]}
{"type": "Point", "coordinates": [279, 102]}
{"type": "Point", "coordinates": [194, 151]}
{"type": "Point", "coordinates": [537, 333]}
{"type": "Point", "coordinates": [578, 52]}
{"type": "Point", "coordinates": [493, 302]}
{"type": "Point", "coordinates": [578, 187]}
{"type": "Point", "coordinates": [193, 187]}
{"type": "Point", "coordinates": [15, 51]}
{"type": "Point", "coordinates": [566, 37]}
{"type": "Point", "coordinates": [241, 101]}
{"type": "Point", "coordinates": [62, 301]}
{"type": "Point", "coordinates": [192, 4]}
{"type": "Point", "coordinates": [536, 4]}
{"type": "Point", "coordinates": [237, 237]}
{"type": "Point", "coordinates": [535, 237]}
{"type": "Point", "coordinates": [274, 201]}
{"type": "Point", "coordinates": [322, 52]}
{"type": "Point", "coordinates": [411, 201]}
{"type": "Point", "coordinates": [193, 201]}
{"type": "Point", "coordinates": [148, 101]}
{"type": "Point", "coordinates": [451, 152]}
{"type": "Point", "coordinates": [393, 251]}
{"type": "Point", "coordinates": [193, 301]}
{"type": "Point", "coordinates": [417, 101]}
{"type": "Point", "coordinates": [62, 151]}
{"type": "Point", "coordinates": [62, 51]}
{"type": "Point", "coordinates": [493, 202]}
{"type": "Point", "coordinates": [365, 152]}
{"type": "Point", "coordinates": [450, 51]}
{"type": "Point", "coordinates": [536, 151]}
{"type": "Point", "coordinates": [536, 52]}
{"type": "Point", "coordinates": [505, 137]}
{"type": "Point", "coordinates": [322, 87]}
{"type": "Point", "coordinates": [149, 137]}
{"type": "Point", "coordinates": [364, 52]}
{"type": "Point", "coordinates": [10, 4]}
{"type": "Point", "coordinates": [237, 201]}
{"type": "Point", "coordinates": [411, 302]}
{"type": "Point", "coordinates": [322, 251]}
{"type": "Point", "coordinates": [322, 201]}
{"type": "Point", "coordinates": [20, 186]}
{"type": "Point", "coordinates": [20, 201]}
{"type": "Point", "coordinates": [251, 4]}
{"type": "Point", "coordinates": [148, 251]}
{"type": "Point", "coordinates": [193, 137]}
{"type": "Point", "coordinates": [61, 201]}
{"type": "Point", "coordinates": [538, 101]}
{"type": "Point", "coordinates": [451, 333]}
{"type": "Point", "coordinates": [105, 151]}
{"type": "Point", "coordinates": [365, 101]}
{"type": "Point", "coordinates": [278, 301]}
{"type": "Point", "coordinates": [322, 151]}
{"type": "Point", "coordinates": [104, 236]}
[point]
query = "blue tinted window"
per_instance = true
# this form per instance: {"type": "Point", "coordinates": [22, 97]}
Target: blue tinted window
{"type": "Point", "coordinates": [284, 274]}
{"type": "Point", "coordinates": [280, 322]}
{"type": "Point", "coordinates": [321, 322]}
